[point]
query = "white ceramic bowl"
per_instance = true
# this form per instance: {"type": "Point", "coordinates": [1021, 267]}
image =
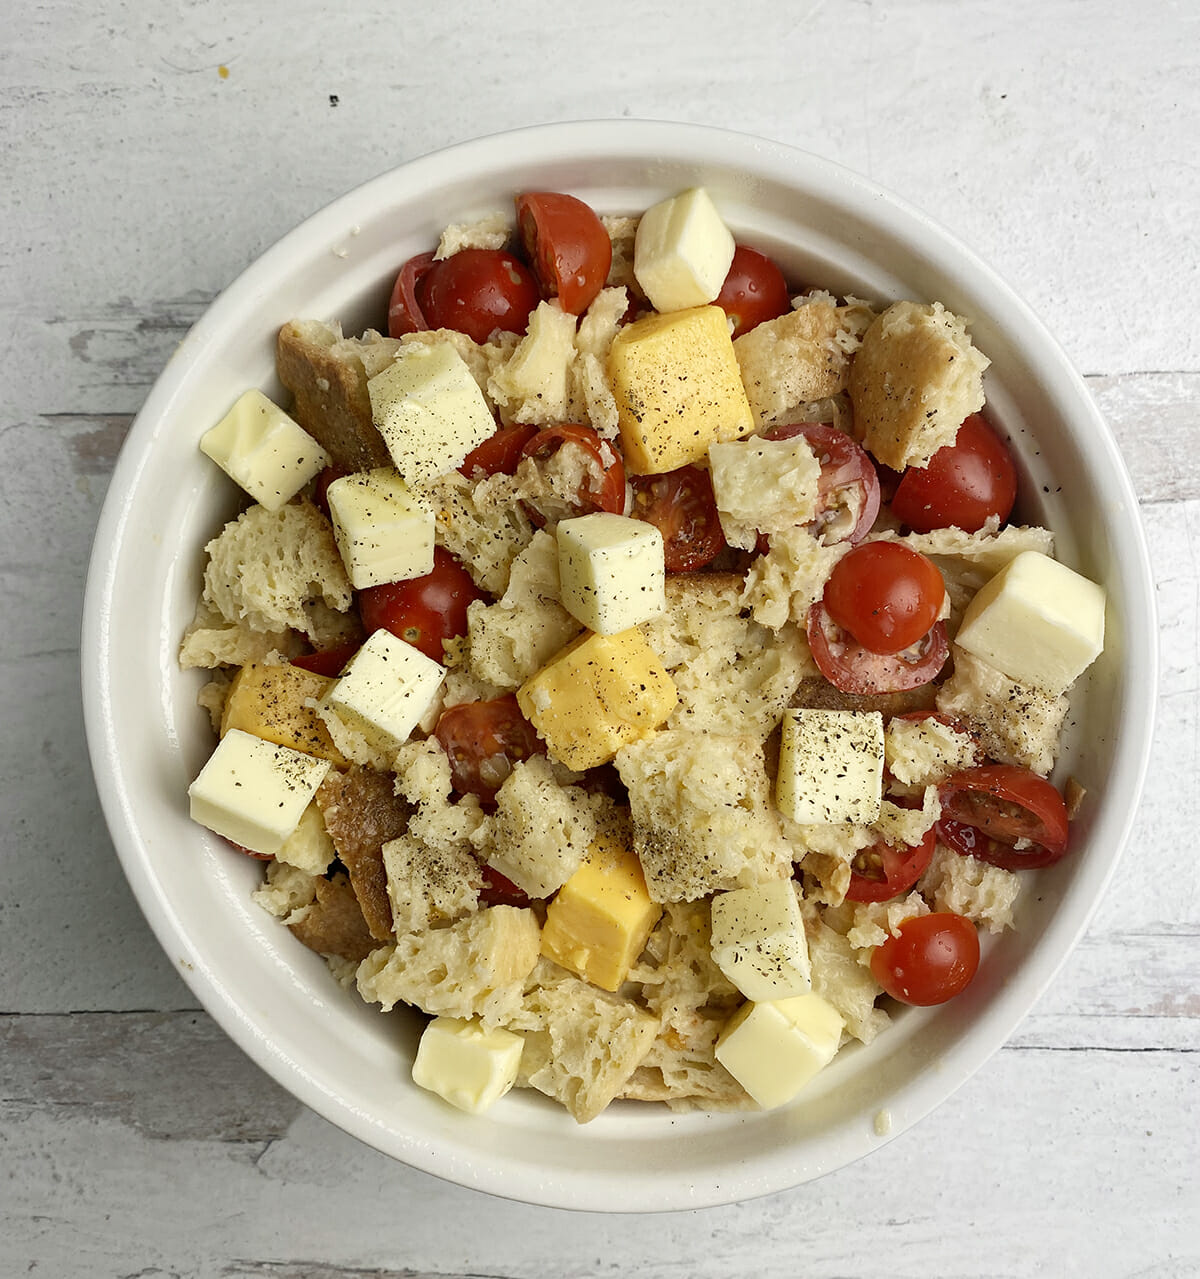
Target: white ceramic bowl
{"type": "Point", "coordinates": [148, 739]}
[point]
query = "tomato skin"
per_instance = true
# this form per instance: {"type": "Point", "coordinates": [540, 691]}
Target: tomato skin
{"type": "Point", "coordinates": [931, 959]}
{"type": "Point", "coordinates": [329, 662]}
{"type": "Point", "coordinates": [681, 505]}
{"type": "Point", "coordinates": [483, 740]}
{"type": "Point", "coordinates": [754, 290]}
{"type": "Point", "coordinates": [899, 867]}
{"type": "Point", "coordinates": [500, 453]}
{"type": "Point", "coordinates": [499, 890]}
{"type": "Point", "coordinates": [570, 250]}
{"type": "Point", "coordinates": [848, 481]}
{"type": "Point", "coordinates": [476, 291]}
{"type": "Point", "coordinates": [423, 611]}
{"type": "Point", "coordinates": [404, 310]}
{"type": "Point", "coordinates": [986, 810]}
{"type": "Point", "coordinates": [964, 485]}
{"type": "Point", "coordinates": [850, 667]}
{"type": "Point", "coordinates": [609, 494]}
{"type": "Point", "coordinates": [885, 594]}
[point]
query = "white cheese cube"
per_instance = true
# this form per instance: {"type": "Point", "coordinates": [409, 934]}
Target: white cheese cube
{"type": "Point", "coordinates": [466, 1065]}
{"type": "Point", "coordinates": [1037, 621]}
{"type": "Point", "coordinates": [254, 792]}
{"type": "Point", "coordinates": [259, 447]}
{"type": "Point", "coordinates": [383, 531]}
{"type": "Point", "coordinates": [763, 486]}
{"type": "Point", "coordinates": [830, 766]}
{"type": "Point", "coordinates": [611, 572]}
{"type": "Point", "coordinates": [387, 687]}
{"type": "Point", "coordinates": [774, 1049]}
{"type": "Point", "coordinates": [758, 941]}
{"type": "Point", "coordinates": [429, 410]}
{"type": "Point", "coordinates": [682, 251]}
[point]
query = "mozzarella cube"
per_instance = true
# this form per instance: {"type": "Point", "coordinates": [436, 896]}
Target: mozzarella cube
{"type": "Point", "coordinates": [774, 1049]}
{"type": "Point", "coordinates": [254, 792]}
{"type": "Point", "coordinates": [1037, 621]}
{"type": "Point", "coordinates": [383, 531]}
{"type": "Point", "coordinates": [758, 941]}
{"type": "Point", "coordinates": [259, 447]}
{"type": "Point", "coordinates": [763, 486]}
{"type": "Point", "coordinates": [465, 1064]}
{"type": "Point", "coordinates": [387, 687]}
{"type": "Point", "coordinates": [830, 766]}
{"type": "Point", "coordinates": [429, 410]}
{"type": "Point", "coordinates": [682, 251]}
{"type": "Point", "coordinates": [611, 571]}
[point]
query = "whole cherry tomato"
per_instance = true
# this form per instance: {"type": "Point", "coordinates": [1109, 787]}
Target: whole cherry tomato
{"type": "Point", "coordinates": [987, 811]}
{"type": "Point", "coordinates": [570, 250]}
{"type": "Point", "coordinates": [681, 505]}
{"type": "Point", "coordinates": [423, 611]}
{"type": "Point", "coordinates": [885, 594]}
{"type": "Point", "coordinates": [602, 486]}
{"type": "Point", "coordinates": [850, 667]}
{"type": "Point", "coordinates": [754, 290]}
{"type": "Point", "coordinates": [848, 487]}
{"type": "Point", "coordinates": [483, 741]}
{"type": "Point", "coordinates": [931, 959]}
{"type": "Point", "coordinates": [964, 485]}
{"type": "Point", "coordinates": [500, 453]}
{"type": "Point", "coordinates": [404, 310]}
{"type": "Point", "coordinates": [476, 291]}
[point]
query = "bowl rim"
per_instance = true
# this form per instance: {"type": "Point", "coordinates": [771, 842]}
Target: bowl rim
{"type": "Point", "coordinates": [591, 141]}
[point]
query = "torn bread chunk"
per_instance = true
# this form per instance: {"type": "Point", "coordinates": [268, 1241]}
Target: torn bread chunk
{"type": "Point", "coordinates": [334, 924]}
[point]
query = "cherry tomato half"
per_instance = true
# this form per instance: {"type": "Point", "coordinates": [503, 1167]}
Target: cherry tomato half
{"type": "Point", "coordinates": [602, 486]}
{"type": "Point", "coordinates": [754, 290]}
{"type": "Point", "coordinates": [329, 662]}
{"type": "Point", "coordinates": [681, 505]}
{"type": "Point", "coordinates": [321, 488]}
{"type": "Point", "coordinates": [423, 611]}
{"type": "Point", "coordinates": [964, 484]}
{"type": "Point", "coordinates": [500, 453]}
{"type": "Point", "coordinates": [476, 291]}
{"type": "Point", "coordinates": [483, 741]}
{"type": "Point", "coordinates": [884, 871]}
{"type": "Point", "coordinates": [848, 488]}
{"type": "Point", "coordinates": [987, 810]}
{"type": "Point", "coordinates": [570, 250]}
{"type": "Point", "coordinates": [850, 667]}
{"type": "Point", "coordinates": [404, 310]}
{"type": "Point", "coordinates": [931, 959]}
{"type": "Point", "coordinates": [885, 594]}
{"type": "Point", "coordinates": [499, 890]}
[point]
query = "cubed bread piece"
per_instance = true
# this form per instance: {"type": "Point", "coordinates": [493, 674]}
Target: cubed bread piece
{"type": "Point", "coordinates": [268, 568]}
{"type": "Point", "coordinates": [924, 752]}
{"type": "Point", "coordinates": [277, 703]}
{"type": "Point", "coordinates": [534, 385]}
{"type": "Point", "coordinates": [309, 846]}
{"type": "Point", "coordinates": [581, 1044]}
{"type": "Point", "coordinates": [212, 640]}
{"type": "Point", "coordinates": [474, 967]}
{"type": "Point", "coordinates": [840, 979]}
{"type": "Point", "coordinates": [914, 379]}
{"type": "Point", "coordinates": [702, 814]}
{"type": "Point", "coordinates": [481, 523]}
{"type": "Point", "coordinates": [328, 377]}
{"type": "Point", "coordinates": [782, 584]}
{"type": "Point", "coordinates": [798, 357]}
{"type": "Point", "coordinates": [334, 923]}
{"type": "Point", "coordinates": [967, 886]}
{"type": "Point", "coordinates": [429, 884]}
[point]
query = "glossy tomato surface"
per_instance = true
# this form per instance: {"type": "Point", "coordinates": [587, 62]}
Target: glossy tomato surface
{"type": "Point", "coordinates": [424, 611]}
{"type": "Point", "coordinates": [500, 453]}
{"type": "Point", "coordinates": [328, 662]}
{"type": "Point", "coordinates": [1005, 815]}
{"type": "Point", "coordinates": [884, 870]}
{"type": "Point", "coordinates": [483, 741]}
{"type": "Point", "coordinates": [681, 505]}
{"type": "Point", "coordinates": [476, 292]}
{"type": "Point", "coordinates": [886, 595]}
{"type": "Point", "coordinates": [850, 667]}
{"type": "Point", "coordinates": [568, 246]}
{"type": "Point", "coordinates": [754, 290]}
{"type": "Point", "coordinates": [931, 959]}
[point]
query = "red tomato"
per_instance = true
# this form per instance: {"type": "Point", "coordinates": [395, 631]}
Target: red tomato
{"type": "Point", "coordinates": [568, 246]}
{"type": "Point", "coordinates": [483, 741]}
{"type": "Point", "coordinates": [754, 290]}
{"type": "Point", "coordinates": [499, 454]}
{"type": "Point", "coordinates": [680, 504]}
{"type": "Point", "coordinates": [249, 852]}
{"type": "Point", "coordinates": [884, 871]}
{"type": "Point", "coordinates": [404, 310]}
{"type": "Point", "coordinates": [476, 291]}
{"type": "Point", "coordinates": [321, 491]}
{"type": "Point", "coordinates": [848, 666]}
{"type": "Point", "coordinates": [886, 595]}
{"type": "Point", "coordinates": [602, 490]}
{"type": "Point", "coordinates": [964, 484]}
{"type": "Point", "coordinates": [423, 611]}
{"type": "Point", "coordinates": [329, 662]}
{"type": "Point", "coordinates": [848, 489]}
{"type": "Point", "coordinates": [499, 890]}
{"type": "Point", "coordinates": [931, 959]}
{"type": "Point", "coordinates": [986, 811]}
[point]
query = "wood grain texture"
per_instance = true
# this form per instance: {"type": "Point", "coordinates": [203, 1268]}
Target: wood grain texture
{"type": "Point", "coordinates": [152, 151]}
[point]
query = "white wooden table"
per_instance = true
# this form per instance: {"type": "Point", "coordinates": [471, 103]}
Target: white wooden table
{"type": "Point", "coordinates": [147, 153]}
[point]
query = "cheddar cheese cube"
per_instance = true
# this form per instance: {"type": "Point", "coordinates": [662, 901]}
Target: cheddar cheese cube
{"type": "Point", "coordinates": [678, 389]}
{"type": "Point", "coordinates": [598, 923]}
{"type": "Point", "coordinates": [599, 694]}
{"type": "Point", "coordinates": [277, 703]}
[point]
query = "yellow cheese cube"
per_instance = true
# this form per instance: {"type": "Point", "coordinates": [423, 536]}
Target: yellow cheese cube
{"type": "Point", "coordinates": [599, 694]}
{"type": "Point", "coordinates": [678, 389]}
{"type": "Point", "coordinates": [598, 923]}
{"type": "Point", "coordinates": [271, 702]}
